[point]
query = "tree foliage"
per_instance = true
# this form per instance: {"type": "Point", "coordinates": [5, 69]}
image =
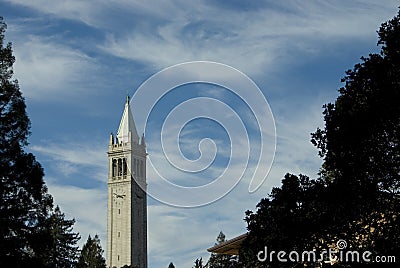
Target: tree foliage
{"type": "Point", "coordinates": [24, 199]}
{"type": "Point", "coordinates": [218, 260]}
{"type": "Point", "coordinates": [198, 263]}
{"type": "Point", "coordinates": [360, 145]}
{"type": "Point", "coordinates": [92, 254]}
{"type": "Point", "coordinates": [27, 220]}
{"type": "Point", "coordinates": [285, 220]}
{"type": "Point", "coordinates": [356, 197]}
{"type": "Point", "coordinates": [62, 249]}
{"type": "Point", "coordinates": [171, 265]}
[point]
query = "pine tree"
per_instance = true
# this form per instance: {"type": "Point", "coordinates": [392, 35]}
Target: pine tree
{"type": "Point", "coordinates": [198, 263]}
{"type": "Point", "coordinates": [218, 260]}
{"type": "Point", "coordinates": [92, 254]}
{"type": "Point", "coordinates": [171, 265]}
{"type": "Point", "coordinates": [62, 249]}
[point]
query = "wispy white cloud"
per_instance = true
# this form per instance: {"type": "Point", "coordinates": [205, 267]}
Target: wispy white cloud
{"type": "Point", "coordinates": [260, 40]}
{"type": "Point", "coordinates": [84, 11]}
{"type": "Point", "coordinates": [72, 153]}
{"type": "Point", "coordinates": [255, 40]}
{"type": "Point", "coordinates": [71, 158]}
{"type": "Point", "coordinates": [295, 152]}
{"type": "Point", "coordinates": [47, 69]}
{"type": "Point", "coordinates": [87, 206]}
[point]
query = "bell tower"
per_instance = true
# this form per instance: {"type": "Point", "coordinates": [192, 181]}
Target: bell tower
{"type": "Point", "coordinates": [127, 200]}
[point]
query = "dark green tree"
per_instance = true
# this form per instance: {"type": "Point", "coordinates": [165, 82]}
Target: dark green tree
{"type": "Point", "coordinates": [288, 219]}
{"type": "Point", "coordinates": [62, 249]}
{"type": "Point", "coordinates": [25, 202]}
{"type": "Point", "coordinates": [31, 233]}
{"type": "Point", "coordinates": [92, 254]}
{"type": "Point", "coordinates": [218, 260]}
{"type": "Point", "coordinates": [360, 145]}
{"type": "Point", "coordinates": [198, 263]}
{"type": "Point", "coordinates": [356, 197]}
{"type": "Point", "coordinates": [171, 265]}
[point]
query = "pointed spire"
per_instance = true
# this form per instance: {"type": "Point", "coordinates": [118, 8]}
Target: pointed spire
{"type": "Point", "coordinates": [127, 125]}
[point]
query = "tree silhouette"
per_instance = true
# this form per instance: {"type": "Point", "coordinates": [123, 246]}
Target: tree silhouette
{"type": "Point", "coordinates": [220, 260]}
{"type": "Point", "coordinates": [30, 231]}
{"type": "Point", "coordinates": [356, 197]}
{"type": "Point", "coordinates": [92, 254]}
{"type": "Point", "coordinates": [24, 199]}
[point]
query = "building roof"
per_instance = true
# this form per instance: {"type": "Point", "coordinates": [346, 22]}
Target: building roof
{"type": "Point", "coordinates": [127, 125]}
{"type": "Point", "coordinates": [230, 247]}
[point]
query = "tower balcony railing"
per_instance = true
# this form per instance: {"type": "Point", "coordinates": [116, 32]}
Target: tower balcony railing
{"type": "Point", "coordinates": [120, 145]}
{"type": "Point", "coordinates": [121, 177]}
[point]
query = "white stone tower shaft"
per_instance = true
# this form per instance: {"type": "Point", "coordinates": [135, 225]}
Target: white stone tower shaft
{"type": "Point", "coordinates": [127, 200]}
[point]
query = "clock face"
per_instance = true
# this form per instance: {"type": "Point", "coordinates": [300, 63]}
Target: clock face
{"type": "Point", "coordinates": [119, 196]}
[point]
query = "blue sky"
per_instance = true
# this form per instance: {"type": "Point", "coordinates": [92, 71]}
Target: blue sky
{"type": "Point", "coordinates": [77, 60]}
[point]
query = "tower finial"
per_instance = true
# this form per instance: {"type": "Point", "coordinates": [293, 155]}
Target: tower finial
{"type": "Point", "coordinates": [127, 99]}
{"type": "Point", "coordinates": [111, 139]}
{"type": "Point", "coordinates": [142, 141]}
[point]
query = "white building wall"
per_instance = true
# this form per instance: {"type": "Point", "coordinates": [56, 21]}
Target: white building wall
{"type": "Point", "coordinates": [127, 208]}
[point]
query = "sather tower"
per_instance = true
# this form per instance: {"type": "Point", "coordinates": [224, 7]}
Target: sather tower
{"type": "Point", "coordinates": [127, 202]}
